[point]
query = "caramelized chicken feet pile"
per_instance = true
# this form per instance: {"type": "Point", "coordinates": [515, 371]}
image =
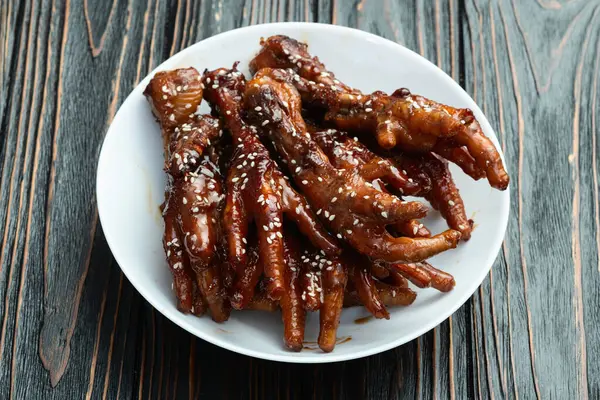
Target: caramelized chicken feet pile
{"type": "Point", "coordinates": [350, 206]}
{"type": "Point", "coordinates": [405, 121]}
{"type": "Point", "coordinates": [257, 191]}
{"type": "Point", "coordinates": [272, 205]}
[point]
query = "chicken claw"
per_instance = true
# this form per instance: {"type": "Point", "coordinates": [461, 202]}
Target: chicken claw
{"type": "Point", "coordinates": [353, 208]}
{"type": "Point", "coordinates": [401, 120]}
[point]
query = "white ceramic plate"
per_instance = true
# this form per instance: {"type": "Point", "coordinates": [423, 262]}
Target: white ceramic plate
{"type": "Point", "coordinates": [130, 187]}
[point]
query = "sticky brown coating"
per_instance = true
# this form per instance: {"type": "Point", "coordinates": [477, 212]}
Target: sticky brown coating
{"type": "Point", "coordinates": [444, 195]}
{"type": "Point", "coordinates": [175, 98]}
{"type": "Point", "coordinates": [367, 291]}
{"type": "Point", "coordinates": [387, 294]}
{"type": "Point", "coordinates": [347, 153]}
{"type": "Point", "coordinates": [293, 312]}
{"type": "Point", "coordinates": [194, 196]}
{"type": "Point", "coordinates": [353, 208]}
{"type": "Point", "coordinates": [412, 228]}
{"type": "Point", "coordinates": [246, 276]}
{"type": "Point", "coordinates": [323, 280]}
{"type": "Point", "coordinates": [389, 276]}
{"type": "Point", "coordinates": [256, 189]}
{"type": "Point", "coordinates": [334, 278]}
{"type": "Point", "coordinates": [424, 275]}
{"type": "Point", "coordinates": [402, 120]}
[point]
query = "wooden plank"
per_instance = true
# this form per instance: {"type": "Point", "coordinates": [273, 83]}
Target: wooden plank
{"type": "Point", "coordinates": [73, 327]}
{"type": "Point", "coordinates": [532, 307]}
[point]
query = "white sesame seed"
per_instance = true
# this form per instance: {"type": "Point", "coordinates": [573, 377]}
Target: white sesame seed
{"type": "Point", "coordinates": [368, 109]}
{"type": "Point", "coordinates": [298, 169]}
{"type": "Point", "coordinates": [258, 108]}
{"type": "Point", "coordinates": [332, 217]}
{"type": "Point", "coordinates": [384, 214]}
{"type": "Point", "coordinates": [461, 227]}
{"type": "Point", "coordinates": [450, 203]}
{"type": "Point", "coordinates": [305, 182]}
{"type": "Point", "coordinates": [334, 200]}
{"type": "Point", "coordinates": [339, 236]}
{"type": "Point", "coordinates": [265, 228]}
{"type": "Point", "coordinates": [184, 200]}
{"type": "Point", "coordinates": [415, 230]}
{"type": "Point", "coordinates": [265, 122]}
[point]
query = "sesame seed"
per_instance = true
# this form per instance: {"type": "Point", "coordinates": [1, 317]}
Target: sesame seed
{"type": "Point", "coordinates": [331, 217]}
{"type": "Point", "coordinates": [319, 212]}
{"type": "Point", "coordinates": [305, 182]}
{"type": "Point", "coordinates": [265, 122]}
{"type": "Point", "coordinates": [184, 200]}
{"type": "Point", "coordinates": [355, 222]}
{"type": "Point", "coordinates": [172, 117]}
{"type": "Point", "coordinates": [450, 203]}
{"type": "Point", "coordinates": [320, 179]}
{"type": "Point", "coordinates": [244, 240]}
{"type": "Point", "coordinates": [410, 180]}
{"type": "Point", "coordinates": [461, 227]}
{"type": "Point", "coordinates": [235, 179]}
{"type": "Point", "coordinates": [298, 169]}
{"type": "Point", "coordinates": [334, 200]}
{"type": "Point", "coordinates": [266, 228]}
{"type": "Point", "coordinates": [269, 241]}
{"type": "Point", "coordinates": [366, 197]}
{"type": "Point", "coordinates": [339, 236]}
{"type": "Point", "coordinates": [368, 109]}
{"type": "Point", "coordinates": [384, 214]}
{"type": "Point", "coordinates": [415, 230]}
{"type": "Point", "coordinates": [228, 112]}
{"type": "Point", "coordinates": [340, 190]}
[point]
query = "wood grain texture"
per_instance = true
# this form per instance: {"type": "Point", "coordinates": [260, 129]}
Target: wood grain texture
{"type": "Point", "coordinates": [72, 326]}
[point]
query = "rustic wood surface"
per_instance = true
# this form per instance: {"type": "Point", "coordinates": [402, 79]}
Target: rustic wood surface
{"type": "Point", "coordinates": [72, 327]}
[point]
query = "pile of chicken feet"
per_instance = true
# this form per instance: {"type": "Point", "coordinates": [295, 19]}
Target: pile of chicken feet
{"type": "Point", "coordinates": [272, 205]}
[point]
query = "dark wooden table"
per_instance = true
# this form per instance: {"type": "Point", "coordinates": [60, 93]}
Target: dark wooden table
{"type": "Point", "coordinates": [73, 327]}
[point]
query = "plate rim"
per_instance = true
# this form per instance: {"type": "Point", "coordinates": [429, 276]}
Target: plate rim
{"type": "Point", "coordinates": [317, 358]}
